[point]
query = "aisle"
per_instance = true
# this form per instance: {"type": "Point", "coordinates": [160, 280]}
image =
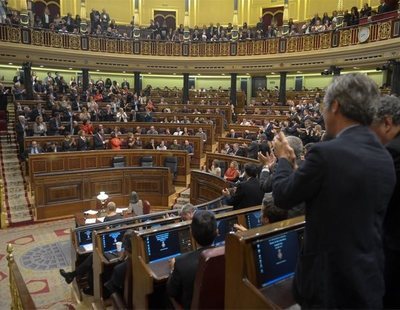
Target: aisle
{"type": "Point", "coordinates": [18, 204]}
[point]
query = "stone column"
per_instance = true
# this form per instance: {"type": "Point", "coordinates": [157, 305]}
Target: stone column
{"type": "Point", "coordinates": [285, 27]}
{"type": "Point", "coordinates": [395, 83]}
{"type": "Point", "coordinates": [235, 30]}
{"type": "Point", "coordinates": [85, 79]}
{"type": "Point", "coordinates": [27, 67]}
{"type": "Point", "coordinates": [137, 85]}
{"type": "Point", "coordinates": [186, 32]}
{"type": "Point", "coordinates": [136, 29]}
{"type": "Point", "coordinates": [282, 88]}
{"type": "Point", "coordinates": [84, 26]}
{"type": "Point", "coordinates": [233, 93]}
{"type": "Point", "coordinates": [185, 94]}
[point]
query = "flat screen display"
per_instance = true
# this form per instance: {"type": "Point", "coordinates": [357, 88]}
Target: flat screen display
{"type": "Point", "coordinates": [225, 226]}
{"type": "Point", "coordinates": [167, 244]}
{"type": "Point", "coordinates": [85, 237]}
{"type": "Point", "coordinates": [276, 257]}
{"type": "Point", "coordinates": [253, 219]}
{"type": "Point", "coordinates": [110, 239]}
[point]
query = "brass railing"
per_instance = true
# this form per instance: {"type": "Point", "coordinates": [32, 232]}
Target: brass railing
{"type": "Point", "coordinates": [20, 297]}
{"type": "Point", "coordinates": [3, 211]}
{"type": "Point", "coordinates": [379, 31]}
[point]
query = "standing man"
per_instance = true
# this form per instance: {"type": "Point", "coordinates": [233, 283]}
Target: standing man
{"type": "Point", "coordinates": [346, 184]}
{"type": "Point", "coordinates": [387, 126]}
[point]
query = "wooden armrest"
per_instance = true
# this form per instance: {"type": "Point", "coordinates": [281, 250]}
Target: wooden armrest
{"type": "Point", "coordinates": [117, 302]}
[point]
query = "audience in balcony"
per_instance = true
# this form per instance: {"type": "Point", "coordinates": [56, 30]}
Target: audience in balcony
{"type": "Point", "coordinates": [101, 24]}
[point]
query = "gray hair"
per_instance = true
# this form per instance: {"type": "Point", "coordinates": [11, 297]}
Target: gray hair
{"type": "Point", "coordinates": [388, 106]}
{"type": "Point", "coordinates": [297, 145]}
{"type": "Point", "coordinates": [356, 94]}
{"type": "Point", "coordinates": [188, 208]}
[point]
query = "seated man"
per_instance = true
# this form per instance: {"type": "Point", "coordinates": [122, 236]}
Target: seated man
{"type": "Point", "coordinates": [86, 268]}
{"type": "Point", "coordinates": [187, 212]}
{"type": "Point", "coordinates": [270, 213]}
{"type": "Point", "coordinates": [248, 192]}
{"type": "Point", "coordinates": [181, 281]}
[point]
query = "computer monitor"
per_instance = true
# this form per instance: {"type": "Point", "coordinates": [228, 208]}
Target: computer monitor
{"type": "Point", "coordinates": [84, 237]}
{"type": "Point", "coordinates": [276, 257]}
{"type": "Point", "coordinates": [225, 226]}
{"type": "Point", "coordinates": [214, 205]}
{"type": "Point", "coordinates": [253, 219]}
{"type": "Point", "coordinates": [109, 240]}
{"type": "Point", "coordinates": [166, 244]}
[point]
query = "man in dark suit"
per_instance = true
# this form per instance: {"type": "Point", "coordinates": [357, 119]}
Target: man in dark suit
{"type": "Point", "coordinates": [346, 184]}
{"type": "Point", "coordinates": [387, 126]}
{"type": "Point", "coordinates": [99, 140]}
{"type": "Point", "coordinates": [55, 126]}
{"type": "Point", "coordinates": [181, 281]}
{"type": "Point", "coordinates": [248, 192]}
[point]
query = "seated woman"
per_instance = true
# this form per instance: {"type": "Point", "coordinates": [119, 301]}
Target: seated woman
{"type": "Point", "coordinates": [112, 212]}
{"type": "Point", "coordinates": [215, 169]}
{"type": "Point", "coordinates": [232, 173]}
{"type": "Point", "coordinates": [39, 127]}
{"type": "Point", "coordinates": [115, 142]}
{"type": "Point", "coordinates": [137, 206]}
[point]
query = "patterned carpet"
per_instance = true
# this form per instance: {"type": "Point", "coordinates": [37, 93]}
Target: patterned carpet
{"type": "Point", "coordinates": [40, 250]}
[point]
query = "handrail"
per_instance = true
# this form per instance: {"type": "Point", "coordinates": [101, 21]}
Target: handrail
{"type": "Point", "coordinates": [3, 211]}
{"type": "Point", "coordinates": [380, 30]}
{"type": "Point", "coordinates": [20, 296]}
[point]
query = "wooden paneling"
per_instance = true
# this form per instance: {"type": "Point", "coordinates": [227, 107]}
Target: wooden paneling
{"type": "Point", "coordinates": [91, 162]}
{"type": "Point", "coordinates": [76, 161]}
{"type": "Point", "coordinates": [205, 187]}
{"type": "Point", "coordinates": [63, 194]}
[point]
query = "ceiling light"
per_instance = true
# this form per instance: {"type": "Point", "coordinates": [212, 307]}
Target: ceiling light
{"type": "Point", "coordinates": [41, 66]}
{"type": "Point", "coordinates": [97, 70]}
{"type": "Point", "coordinates": [69, 68]}
{"type": "Point", "coordinates": [10, 63]}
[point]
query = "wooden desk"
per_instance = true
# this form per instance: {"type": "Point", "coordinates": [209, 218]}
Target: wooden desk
{"type": "Point", "coordinates": [147, 275]}
{"type": "Point", "coordinates": [60, 194]}
{"type": "Point", "coordinates": [242, 290]}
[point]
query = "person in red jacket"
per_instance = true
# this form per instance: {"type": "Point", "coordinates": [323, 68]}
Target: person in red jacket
{"type": "Point", "coordinates": [115, 142]}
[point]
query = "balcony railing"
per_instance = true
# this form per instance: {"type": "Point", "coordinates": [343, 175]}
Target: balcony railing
{"type": "Point", "coordinates": [379, 31]}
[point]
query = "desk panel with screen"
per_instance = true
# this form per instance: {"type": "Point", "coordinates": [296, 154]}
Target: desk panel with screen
{"type": "Point", "coordinates": [276, 257]}
{"type": "Point", "coordinates": [225, 226]}
{"type": "Point", "coordinates": [260, 264]}
{"type": "Point", "coordinates": [166, 244]}
{"type": "Point", "coordinates": [253, 219]}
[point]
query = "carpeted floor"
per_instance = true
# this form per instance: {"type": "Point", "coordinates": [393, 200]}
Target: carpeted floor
{"type": "Point", "coordinates": [40, 250]}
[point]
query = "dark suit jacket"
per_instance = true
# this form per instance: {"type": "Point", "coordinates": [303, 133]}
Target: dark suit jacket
{"type": "Point", "coordinates": [98, 142]}
{"type": "Point", "coordinates": [346, 184]}
{"type": "Point", "coordinates": [391, 225]}
{"type": "Point", "coordinates": [248, 194]}
{"type": "Point", "coordinates": [181, 281]}
{"type": "Point", "coordinates": [81, 145]}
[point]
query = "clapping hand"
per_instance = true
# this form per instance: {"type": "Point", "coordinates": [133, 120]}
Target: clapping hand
{"type": "Point", "coordinates": [267, 160]}
{"type": "Point", "coordinates": [283, 150]}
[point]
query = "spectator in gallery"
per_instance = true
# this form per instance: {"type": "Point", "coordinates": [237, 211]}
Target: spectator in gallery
{"type": "Point", "coordinates": [115, 141]}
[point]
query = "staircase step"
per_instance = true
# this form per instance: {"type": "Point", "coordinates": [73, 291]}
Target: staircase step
{"type": "Point", "coordinates": [182, 200]}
